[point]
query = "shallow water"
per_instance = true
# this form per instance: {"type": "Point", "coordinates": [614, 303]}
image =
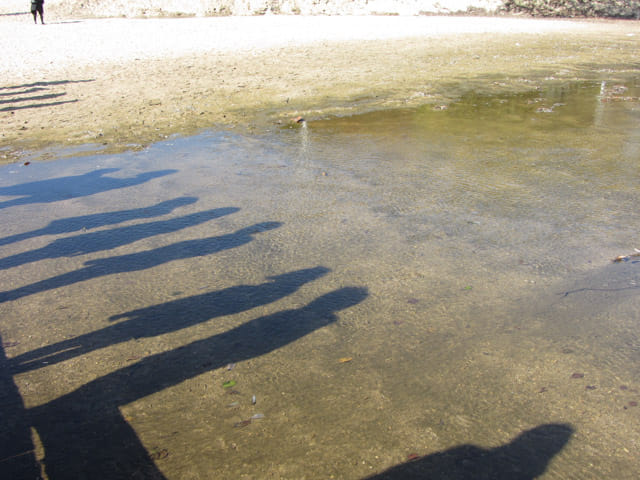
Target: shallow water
{"type": "Point", "coordinates": [422, 293]}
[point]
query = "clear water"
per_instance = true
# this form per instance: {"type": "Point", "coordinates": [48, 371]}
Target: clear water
{"type": "Point", "coordinates": [421, 293]}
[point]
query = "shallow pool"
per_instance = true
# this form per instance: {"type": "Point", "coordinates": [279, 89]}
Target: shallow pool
{"type": "Point", "coordinates": [419, 293]}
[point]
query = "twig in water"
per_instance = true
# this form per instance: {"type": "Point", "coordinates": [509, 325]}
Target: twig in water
{"type": "Point", "coordinates": [621, 258]}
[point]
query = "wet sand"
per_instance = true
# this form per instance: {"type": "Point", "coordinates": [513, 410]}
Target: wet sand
{"type": "Point", "coordinates": [125, 83]}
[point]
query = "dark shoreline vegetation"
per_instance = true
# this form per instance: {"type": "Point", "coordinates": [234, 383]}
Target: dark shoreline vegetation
{"type": "Point", "coordinates": [629, 9]}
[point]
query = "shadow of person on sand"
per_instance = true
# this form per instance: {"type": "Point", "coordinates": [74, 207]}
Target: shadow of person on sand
{"type": "Point", "coordinates": [44, 84]}
{"type": "Point", "coordinates": [524, 458]}
{"type": "Point", "coordinates": [17, 95]}
{"type": "Point", "coordinates": [12, 108]}
{"type": "Point", "coordinates": [108, 239]}
{"type": "Point", "coordinates": [95, 220]}
{"type": "Point", "coordinates": [73, 186]}
{"type": "Point", "coordinates": [169, 317]}
{"type": "Point", "coordinates": [46, 96]}
{"type": "Point", "coordinates": [84, 433]}
{"type": "Point", "coordinates": [26, 91]}
{"type": "Point", "coordinates": [137, 261]}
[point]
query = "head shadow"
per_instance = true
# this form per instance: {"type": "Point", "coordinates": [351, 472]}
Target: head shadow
{"type": "Point", "coordinates": [526, 457]}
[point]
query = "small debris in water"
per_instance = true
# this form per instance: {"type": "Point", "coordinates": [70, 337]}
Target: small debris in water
{"type": "Point", "coordinates": [233, 404]}
{"type": "Point", "coordinates": [590, 387]}
{"type": "Point", "coordinates": [26, 163]}
{"type": "Point", "coordinates": [231, 366]}
{"type": "Point", "coordinates": [299, 120]}
{"type": "Point", "coordinates": [242, 423]}
{"type": "Point", "coordinates": [413, 456]}
{"type": "Point", "coordinates": [345, 359]}
{"type": "Point", "coordinates": [621, 258]}
{"type": "Point", "coordinates": [577, 375]}
{"type": "Point", "coordinates": [159, 453]}
{"type": "Point", "coordinates": [229, 384]}
{"type": "Point", "coordinates": [253, 400]}
{"type": "Point", "coordinates": [257, 416]}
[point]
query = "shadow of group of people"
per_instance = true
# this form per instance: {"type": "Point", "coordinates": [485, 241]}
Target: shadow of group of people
{"type": "Point", "coordinates": [84, 433]}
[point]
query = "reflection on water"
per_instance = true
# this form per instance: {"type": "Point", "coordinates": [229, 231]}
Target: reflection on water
{"type": "Point", "coordinates": [422, 293]}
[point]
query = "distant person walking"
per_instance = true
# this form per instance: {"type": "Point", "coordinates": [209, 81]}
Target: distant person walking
{"type": "Point", "coordinates": [37, 6]}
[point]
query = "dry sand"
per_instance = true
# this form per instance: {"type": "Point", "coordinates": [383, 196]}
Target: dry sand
{"type": "Point", "coordinates": [122, 83]}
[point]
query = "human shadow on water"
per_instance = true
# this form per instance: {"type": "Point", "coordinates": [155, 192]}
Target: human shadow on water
{"type": "Point", "coordinates": [95, 220]}
{"type": "Point", "coordinates": [83, 432]}
{"type": "Point", "coordinates": [524, 458]}
{"type": "Point", "coordinates": [169, 317]}
{"type": "Point", "coordinates": [133, 262]}
{"type": "Point", "coordinates": [17, 455]}
{"type": "Point", "coordinates": [107, 239]}
{"type": "Point", "coordinates": [73, 186]}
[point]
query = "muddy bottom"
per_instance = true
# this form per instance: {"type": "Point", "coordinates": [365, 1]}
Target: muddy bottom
{"type": "Point", "coordinates": [418, 293]}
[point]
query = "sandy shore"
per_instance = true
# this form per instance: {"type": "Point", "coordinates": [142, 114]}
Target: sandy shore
{"type": "Point", "coordinates": [124, 82]}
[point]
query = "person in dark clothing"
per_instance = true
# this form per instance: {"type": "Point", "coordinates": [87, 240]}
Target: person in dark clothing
{"type": "Point", "coordinates": [37, 6]}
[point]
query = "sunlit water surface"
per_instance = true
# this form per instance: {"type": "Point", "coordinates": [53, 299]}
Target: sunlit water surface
{"type": "Point", "coordinates": [423, 293]}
